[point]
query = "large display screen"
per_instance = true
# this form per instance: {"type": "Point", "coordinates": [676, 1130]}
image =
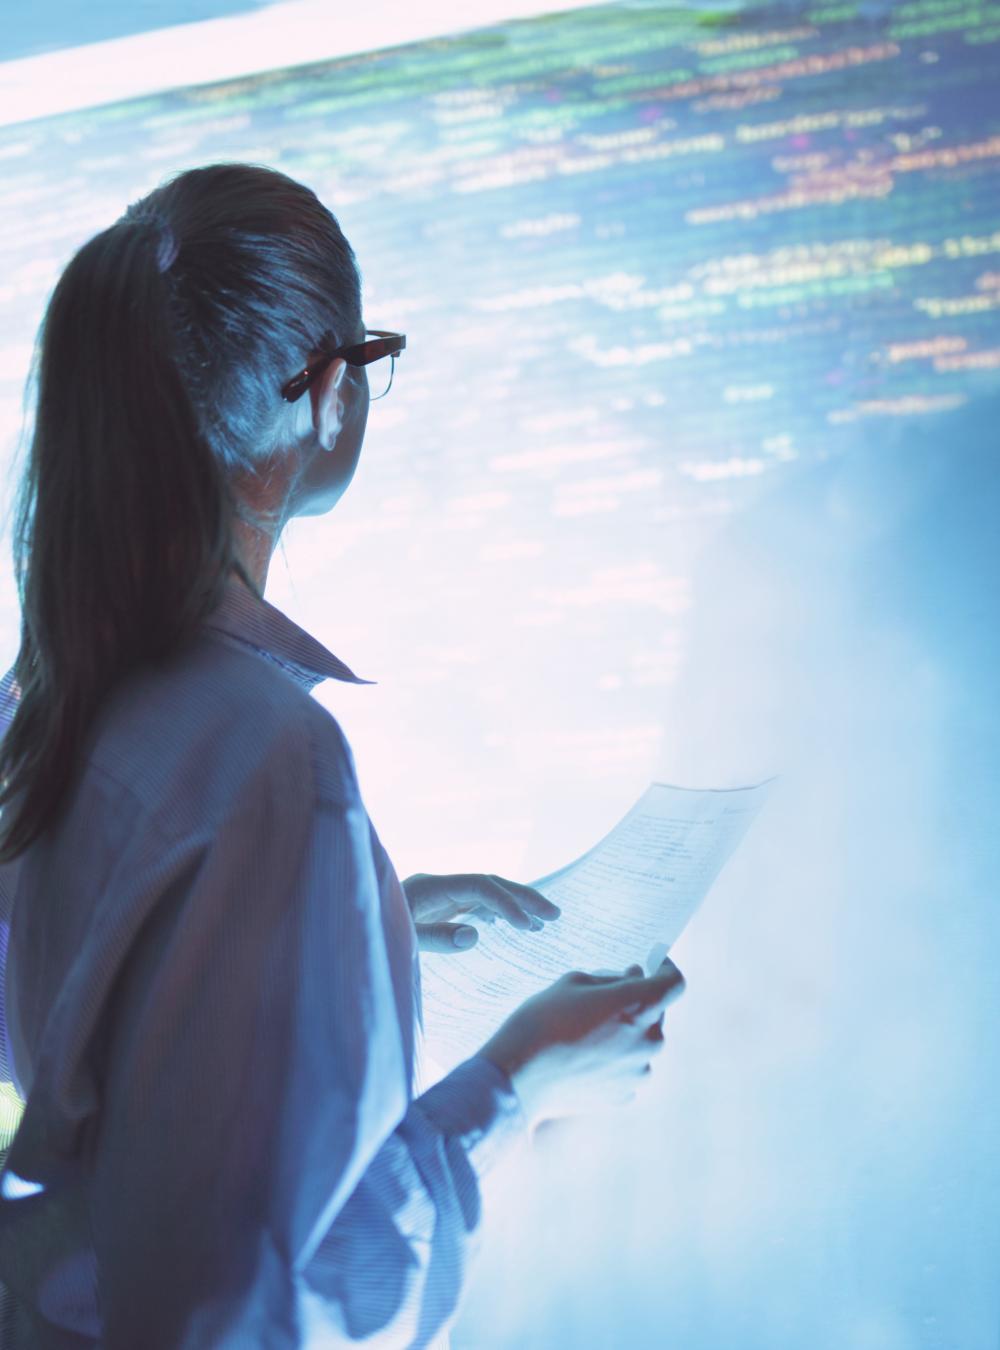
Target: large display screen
{"type": "Point", "coordinates": [646, 259]}
{"type": "Point", "coordinates": [655, 265]}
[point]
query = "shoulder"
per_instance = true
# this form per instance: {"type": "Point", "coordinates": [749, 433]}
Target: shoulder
{"type": "Point", "coordinates": [193, 734]}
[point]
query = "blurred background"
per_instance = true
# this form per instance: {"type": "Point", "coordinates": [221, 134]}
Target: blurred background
{"type": "Point", "coordinates": [689, 472]}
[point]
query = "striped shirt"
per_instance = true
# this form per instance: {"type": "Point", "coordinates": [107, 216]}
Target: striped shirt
{"type": "Point", "coordinates": [211, 1009]}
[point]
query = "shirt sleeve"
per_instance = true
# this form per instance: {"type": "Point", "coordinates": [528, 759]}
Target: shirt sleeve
{"type": "Point", "coordinates": [261, 1175]}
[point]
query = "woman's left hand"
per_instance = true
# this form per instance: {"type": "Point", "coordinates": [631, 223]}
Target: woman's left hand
{"type": "Point", "coordinates": [437, 900]}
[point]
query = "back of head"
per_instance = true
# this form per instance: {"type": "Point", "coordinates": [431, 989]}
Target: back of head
{"type": "Point", "coordinates": [161, 359]}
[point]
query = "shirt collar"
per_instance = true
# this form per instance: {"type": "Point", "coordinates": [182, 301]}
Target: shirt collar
{"type": "Point", "coordinates": [263, 627]}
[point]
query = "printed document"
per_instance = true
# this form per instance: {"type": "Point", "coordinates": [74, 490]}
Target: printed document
{"type": "Point", "coordinates": [624, 902]}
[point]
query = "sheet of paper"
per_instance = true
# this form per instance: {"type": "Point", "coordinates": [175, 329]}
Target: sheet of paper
{"type": "Point", "coordinates": [625, 901]}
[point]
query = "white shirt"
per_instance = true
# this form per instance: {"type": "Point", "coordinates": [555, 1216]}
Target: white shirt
{"type": "Point", "coordinates": [211, 1008]}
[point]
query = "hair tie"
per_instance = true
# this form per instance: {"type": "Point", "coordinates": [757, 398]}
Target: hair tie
{"type": "Point", "coordinates": [167, 249]}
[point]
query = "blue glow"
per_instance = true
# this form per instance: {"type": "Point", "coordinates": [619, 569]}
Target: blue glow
{"type": "Point", "coordinates": [688, 473]}
{"type": "Point", "coordinates": [13, 1187]}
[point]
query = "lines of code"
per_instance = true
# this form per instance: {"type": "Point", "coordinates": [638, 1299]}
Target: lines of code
{"type": "Point", "coordinates": [645, 259]}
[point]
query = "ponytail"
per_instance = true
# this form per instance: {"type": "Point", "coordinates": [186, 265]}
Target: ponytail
{"type": "Point", "coordinates": [123, 528]}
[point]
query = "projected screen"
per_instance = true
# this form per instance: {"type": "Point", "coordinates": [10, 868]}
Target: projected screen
{"type": "Point", "coordinates": [651, 264]}
{"type": "Point", "coordinates": [645, 260]}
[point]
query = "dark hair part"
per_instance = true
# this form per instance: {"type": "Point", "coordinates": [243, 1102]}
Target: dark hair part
{"type": "Point", "coordinates": [160, 364]}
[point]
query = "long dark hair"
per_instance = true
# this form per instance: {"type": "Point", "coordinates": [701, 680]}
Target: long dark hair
{"type": "Point", "coordinates": [160, 362]}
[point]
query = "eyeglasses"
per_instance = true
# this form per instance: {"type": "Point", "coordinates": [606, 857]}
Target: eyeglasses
{"type": "Point", "coordinates": [377, 344]}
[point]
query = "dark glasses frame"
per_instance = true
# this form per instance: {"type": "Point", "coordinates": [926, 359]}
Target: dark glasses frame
{"type": "Point", "coordinates": [382, 343]}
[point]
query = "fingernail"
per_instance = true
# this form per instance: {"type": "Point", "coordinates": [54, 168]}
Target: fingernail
{"type": "Point", "coordinates": [464, 937]}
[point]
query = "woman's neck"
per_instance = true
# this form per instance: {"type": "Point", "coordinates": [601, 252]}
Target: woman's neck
{"type": "Point", "coordinates": [253, 549]}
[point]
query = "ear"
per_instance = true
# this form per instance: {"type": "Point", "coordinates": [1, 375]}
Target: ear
{"type": "Point", "coordinates": [327, 408]}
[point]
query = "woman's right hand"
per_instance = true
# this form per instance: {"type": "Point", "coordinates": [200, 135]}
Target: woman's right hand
{"type": "Point", "coordinates": [585, 1042]}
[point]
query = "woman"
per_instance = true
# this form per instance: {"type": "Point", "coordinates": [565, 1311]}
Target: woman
{"type": "Point", "coordinates": [212, 980]}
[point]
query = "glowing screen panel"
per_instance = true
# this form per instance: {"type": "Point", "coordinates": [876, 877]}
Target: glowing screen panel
{"type": "Point", "coordinates": [658, 268]}
{"type": "Point", "coordinates": [646, 259]}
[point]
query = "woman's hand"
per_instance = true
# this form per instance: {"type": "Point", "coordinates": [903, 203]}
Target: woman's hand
{"type": "Point", "coordinates": [437, 900]}
{"type": "Point", "coordinates": [587, 1041]}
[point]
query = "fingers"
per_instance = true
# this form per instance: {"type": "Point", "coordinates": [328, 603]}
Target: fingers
{"type": "Point", "coordinates": [503, 904]}
{"type": "Point", "coordinates": [446, 937]}
{"type": "Point", "coordinates": [641, 992]}
{"type": "Point", "coordinates": [530, 901]}
{"type": "Point", "coordinates": [642, 999]}
{"type": "Point", "coordinates": [630, 973]}
{"type": "Point", "coordinates": [493, 898]}
{"type": "Point", "coordinates": [488, 897]}
{"type": "Point", "coordinates": [661, 988]}
{"type": "Point", "coordinates": [534, 902]}
{"type": "Point", "coordinates": [648, 1044]}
